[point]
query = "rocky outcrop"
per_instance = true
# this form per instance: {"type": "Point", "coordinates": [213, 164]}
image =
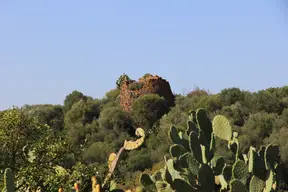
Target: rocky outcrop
{"type": "Point", "coordinates": [149, 84]}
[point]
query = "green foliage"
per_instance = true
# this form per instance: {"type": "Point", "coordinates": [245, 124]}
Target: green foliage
{"type": "Point", "coordinates": [97, 152]}
{"type": "Point", "coordinates": [146, 75]}
{"type": "Point", "coordinates": [51, 115]}
{"type": "Point", "coordinates": [230, 96]}
{"type": "Point", "coordinates": [84, 111]}
{"type": "Point", "coordinates": [124, 77]}
{"type": "Point", "coordinates": [135, 86]}
{"type": "Point", "coordinates": [72, 98]}
{"type": "Point", "coordinates": [147, 109]}
{"type": "Point", "coordinates": [267, 101]}
{"type": "Point", "coordinates": [114, 118]}
{"type": "Point", "coordinates": [258, 127]}
{"type": "Point", "coordinates": [197, 92]}
{"type": "Point", "coordinates": [111, 99]}
{"type": "Point", "coordinates": [18, 132]}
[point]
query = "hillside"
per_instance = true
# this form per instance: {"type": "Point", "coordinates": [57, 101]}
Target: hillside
{"type": "Point", "coordinates": [53, 146]}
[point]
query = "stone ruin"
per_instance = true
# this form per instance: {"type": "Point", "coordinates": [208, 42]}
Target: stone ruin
{"type": "Point", "coordinates": [149, 84]}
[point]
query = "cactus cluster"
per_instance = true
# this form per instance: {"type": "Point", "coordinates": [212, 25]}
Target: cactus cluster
{"type": "Point", "coordinates": [194, 166]}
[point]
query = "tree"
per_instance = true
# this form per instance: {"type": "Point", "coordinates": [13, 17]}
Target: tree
{"type": "Point", "coordinates": [18, 132]}
{"type": "Point", "coordinates": [266, 101]}
{"type": "Point", "coordinates": [229, 96]}
{"type": "Point", "coordinates": [72, 98]}
{"type": "Point", "coordinates": [84, 111]}
{"type": "Point", "coordinates": [115, 118]}
{"type": "Point", "coordinates": [258, 127]}
{"type": "Point", "coordinates": [147, 109]}
{"type": "Point", "coordinates": [51, 115]}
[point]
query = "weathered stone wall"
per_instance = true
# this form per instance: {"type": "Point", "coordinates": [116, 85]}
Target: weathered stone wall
{"type": "Point", "coordinates": [149, 85]}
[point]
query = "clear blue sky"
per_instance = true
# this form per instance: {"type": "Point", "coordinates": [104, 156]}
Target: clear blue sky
{"type": "Point", "coordinates": [50, 48]}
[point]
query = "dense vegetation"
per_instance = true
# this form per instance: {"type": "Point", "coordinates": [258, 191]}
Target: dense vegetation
{"type": "Point", "coordinates": [49, 146]}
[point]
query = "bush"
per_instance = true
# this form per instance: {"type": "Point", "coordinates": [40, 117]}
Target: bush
{"type": "Point", "coordinates": [72, 98]}
{"type": "Point", "coordinates": [97, 152]}
{"type": "Point", "coordinates": [147, 109]}
{"type": "Point", "coordinates": [229, 96]}
{"type": "Point", "coordinates": [114, 118]}
{"type": "Point", "coordinates": [258, 127]}
{"type": "Point", "coordinates": [135, 86]}
{"type": "Point", "coordinates": [124, 77]}
{"type": "Point", "coordinates": [84, 111]}
{"type": "Point", "coordinates": [146, 75]}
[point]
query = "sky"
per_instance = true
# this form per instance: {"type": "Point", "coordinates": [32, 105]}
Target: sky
{"type": "Point", "coordinates": [50, 48]}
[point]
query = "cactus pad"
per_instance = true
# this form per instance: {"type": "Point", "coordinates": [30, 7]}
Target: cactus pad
{"type": "Point", "coordinates": [195, 146]}
{"type": "Point", "coordinates": [206, 178]}
{"type": "Point", "coordinates": [222, 128]}
{"type": "Point", "coordinates": [173, 135]}
{"type": "Point", "coordinates": [131, 145]}
{"type": "Point", "coordinates": [256, 163]}
{"type": "Point", "coordinates": [212, 143]}
{"type": "Point", "coordinates": [167, 176]}
{"type": "Point", "coordinates": [240, 171]}
{"type": "Point", "coordinates": [177, 150]}
{"type": "Point", "coordinates": [147, 182]}
{"type": "Point", "coordinates": [192, 116]}
{"type": "Point", "coordinates": [9, 181]}
{"type": "Point", "coordinates": [227, 173]}
{"type": "Point", "coordinates": [191, 163]}
{"type": "Point", "coordinates": [269, 182]}
{"type": "Point", "coordinates": [111, 159]}
{"type": "Point", "coordinates": [237, 186]}
{"type": "Point", "coordinates": [180, 185]}
{"type": "Point", "coordinates": [271, 156]}
{"type": "Point", "coordinates": [191, 126]}
{"type": "Point", "coordinates": [219, 165]}
{"type": "Point", "coordinates": [170, 166]}
{"type": "Point", "coordinates": [256, 184]}
{"type": "Point", "coordinates": [204, 123]}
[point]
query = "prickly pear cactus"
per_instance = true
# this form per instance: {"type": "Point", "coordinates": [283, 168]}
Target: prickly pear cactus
{"type": "Point", "coordinates": [195, 167]}
{"type": "Point", "coordinates": [256, 184]}
{"type": "Point", "coordinates": [111, 158]}
{"type": "Point", "coordinates": [147, 182]}
{"type": "Point", "coordinates": [237, 186]}
{"type": "Point", "coordinates": [131, 145]}
{"type": "Point", "coordinates": [204, 123]}
{"type": "Point", "coordinates": [9, 185]}
{"type": "Point", "coordinates": [222, 128]}
{"type": "Point", "coordinates": [240, 171]}
{"type": "Point", "coordinates": [271, 156]}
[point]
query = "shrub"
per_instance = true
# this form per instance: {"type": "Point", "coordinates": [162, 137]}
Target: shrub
{"type": "Point", "coordinates": [124, 77]}
{"type": "Point", "coordinates": [147, 109]}
{"type": "Point", "coordinates": [135, 86]}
